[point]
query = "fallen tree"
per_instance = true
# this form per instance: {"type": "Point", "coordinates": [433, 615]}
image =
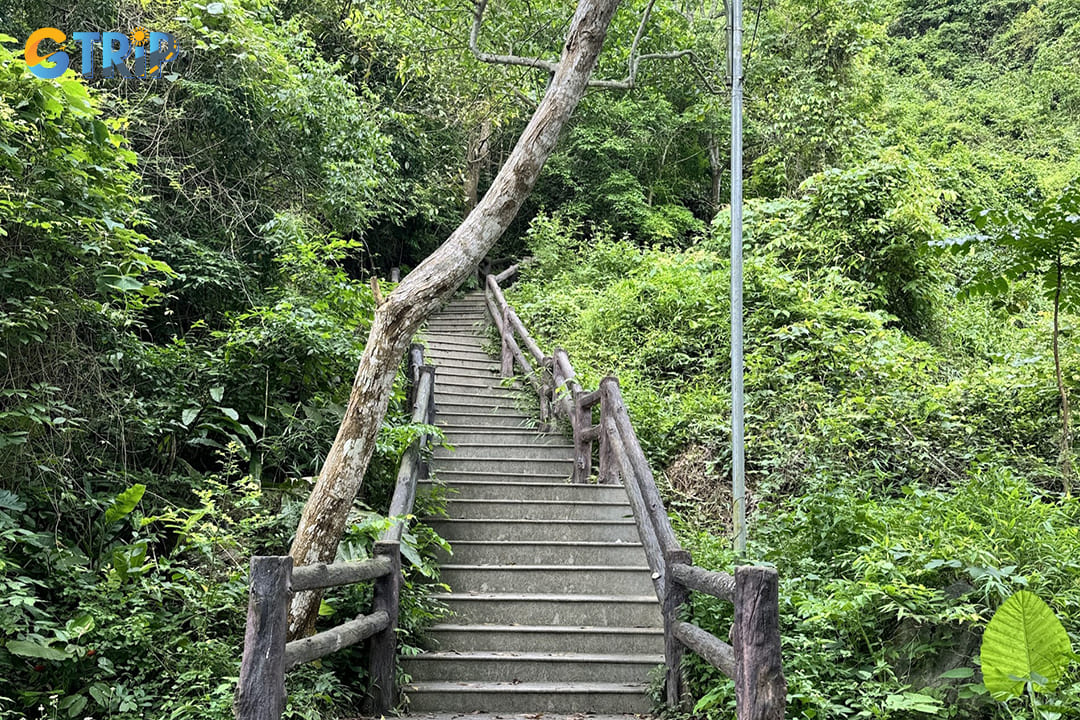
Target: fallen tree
{"type": "Point", "coordinates": [400, 314]}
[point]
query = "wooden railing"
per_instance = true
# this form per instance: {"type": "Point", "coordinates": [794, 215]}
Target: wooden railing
{"type": "Point", "coordinates": [260, 694]}
{"type": "Point", "coordinates": [753, 658]}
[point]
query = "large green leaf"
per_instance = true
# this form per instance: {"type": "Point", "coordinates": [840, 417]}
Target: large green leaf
{"type": "Point", "coordinates": [1023, 642]}
{"type": "Point", "coordinates": [11, 501]}
{"type": "Point", "coordinates": [31, 649]}
{"type": "Point", "coordinates": [124, 503]}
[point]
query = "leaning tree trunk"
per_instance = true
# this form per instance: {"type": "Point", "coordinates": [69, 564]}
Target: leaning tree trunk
{"type": "Point", "coordinates": [423, 291]}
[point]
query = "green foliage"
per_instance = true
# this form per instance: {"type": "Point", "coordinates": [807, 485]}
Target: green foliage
{"type": "Point", "coordinates": [178, 272]}
{"type": "Point", "coordinates": [612, 170]}
{"type": "Point", "coordinates": [183, 280]}
{"type": "Point", "coordinates": [1042, 244]}
{"type": "Point", "coordinates": [879, 464]}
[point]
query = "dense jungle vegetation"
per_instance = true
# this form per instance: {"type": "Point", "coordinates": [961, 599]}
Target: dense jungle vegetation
{"type": "Point", "coordinates": [184, 269]}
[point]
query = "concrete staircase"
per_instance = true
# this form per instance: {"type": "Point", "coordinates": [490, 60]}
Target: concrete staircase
{"type": "Point", "coordinates": [552, 600]}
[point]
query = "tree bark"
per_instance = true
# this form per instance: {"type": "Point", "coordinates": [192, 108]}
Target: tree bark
{"type": "Point", "coordinates": [716, 169]}
{"type": "Point", "coordinates": [475, 154]}
{"type": "Point", "coordinates": [424, 289]}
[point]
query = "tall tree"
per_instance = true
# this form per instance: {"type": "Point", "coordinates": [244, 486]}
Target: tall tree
{"type": "Point", "coordinates": [1044, 244]}
{"type": "Point", "coordinates": [423, 290]}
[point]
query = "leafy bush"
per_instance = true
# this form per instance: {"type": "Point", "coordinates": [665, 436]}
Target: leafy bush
{"type": "Point", "coordinates": [878, 464]}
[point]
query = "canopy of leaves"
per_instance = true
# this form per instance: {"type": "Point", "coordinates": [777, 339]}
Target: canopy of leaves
{"type": "Point", "coordinates": [183, 280]}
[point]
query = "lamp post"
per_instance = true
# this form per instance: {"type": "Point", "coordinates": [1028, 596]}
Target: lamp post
{"type": "Point", "coordinates": [738, 464]}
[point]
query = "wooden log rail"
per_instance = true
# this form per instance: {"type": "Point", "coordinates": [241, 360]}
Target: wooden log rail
{"type": "Point", "coordinates": [260, 693]}
{"type": "Point", "coordinates": [752, 659]}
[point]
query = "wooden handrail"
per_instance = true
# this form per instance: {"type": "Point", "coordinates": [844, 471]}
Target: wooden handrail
{"type": "Point", "coordinates": [717, 584]}
{"type": "Point", "coordinates": [519, 327]}
{"type": "Point", "coordinates": [642, 474]}
{"type": "Point", "coordinates": [647, 534]}
{"type": "Point", "coordinates": [322, 575]}
{"type": "Point", "coordinates": [507, 273]}
{"type": "Point", "coordinates": [711, 648]}
{"type": "Point", "coordinates": [753, 659]}
{"type": "Point", "coordinates": [260, 693]}
{"type": "Point", "coordinates": [322, 644]}
{"type": "Point", "coordinates": [412, 467]}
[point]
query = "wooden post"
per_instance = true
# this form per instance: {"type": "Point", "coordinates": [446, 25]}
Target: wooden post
{"type": "Point", "coordinates": [260, 694]}
{"type": "Point", "coordinates": [609, 465]}
{"type": "Point", "coordinates": [564, 377]}
{"type": "Point", "coordinates": [429, 416]}
{"type": "Point", "coordinates": [760, 688]}
{"type": "Point", "coordinates": [582, 447]}
{"type": "Point", "coordinates": [383, 695]}
{"type": "Point", "coordinates": [424, 414]}
{"type": "Point", "coordinates": [395, 274]}
{"type": "Point", "coordinates": [675, 595]}
{"type": "Point", "coordinates": [547, 394]}
{"type": "Point", "coordinates": [416, 361]}
{"type": "Point", "coordinates": [507, 353]}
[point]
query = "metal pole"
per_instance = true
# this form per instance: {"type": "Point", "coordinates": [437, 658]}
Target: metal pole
{"type": "Point", "coordinates": [738, 469]}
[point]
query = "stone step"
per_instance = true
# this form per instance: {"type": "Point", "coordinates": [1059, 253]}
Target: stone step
{"type": "Point", "coordinates": [461, 436]}
{"type": "Point", "coordinates": [445, 369]}
{"type": "Point", "coordinates": [547, 638]}
{"type": "Point", "coordinates": [451, 370]}
{"type": "Point", "coordinates": [523, 487]}
{"type": "Point", "coordinates": [499, 431]}
{"type": "Point", "coordinates": [505, 509]}
{"type": "Point", "coordinates": [553, 609]}
{"type": "Point", "coordinates": [566, 552]}
{"type": "Point", "coordinates": [446, 418]}
{"type": "Point", "coordinates": [518, 451]}
{"type": "Point", "coordinates": [472, 324]}
{"type": "Point", "coordinates": [461, 406]}
{"type": "Point", "coordinates": [533, 667]}
{"type": "Point", "coordinates": [471, 358]}
{"type": "Point", "coordinates": [468, 325]}
{"type": "Point", "coordinates": [480, 381]}
{"type": "Point", "coordinates": [530, 697]}
{"type": "Point", "coordinates": [444, 354]}
{"type": "Point", "coordinates": [462, 309]}
{"type": "Point", "coordinates": [626, 580]}
{"type": "Point", "coordinates": [486, 364]}
{"type": "Point", "coordinates": [450, 378]}
{"type": "Point", "coordinates": [477, 329]}
{"type": "Point", "coordinates": [458, 317]}
{"type": "Point", "coordinates": [454, 374]}
{"type": "Point", "coordinates": [465, 310]}
{"type": "Point", "coordinates": [532, 530]}
{"type": "Point", "coordinates": [476, 332]}
{"type": "Point", "coordinates": [449, 365]}
{"type": "Point", "coordinates": [481, 404]}
{"type": "Point", "coordinates": [454, 341]}
{"type": "Point", "coordinates": [485, 398]}
{"type": "Point", "coordinates": [495, 464]}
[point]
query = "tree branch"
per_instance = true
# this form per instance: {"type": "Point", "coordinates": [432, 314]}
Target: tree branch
{"type": "Point", "coordinates": [627, 83]}
{"type": "Point", "coordinates": [474, 37]}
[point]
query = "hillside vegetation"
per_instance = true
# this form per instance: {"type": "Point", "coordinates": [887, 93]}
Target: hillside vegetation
{"type": "Point", "coordinates": [184, 279]}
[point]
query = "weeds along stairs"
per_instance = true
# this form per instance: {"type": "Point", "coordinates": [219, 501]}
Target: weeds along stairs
{"type": "Point", "coordinates": [553, 608]}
